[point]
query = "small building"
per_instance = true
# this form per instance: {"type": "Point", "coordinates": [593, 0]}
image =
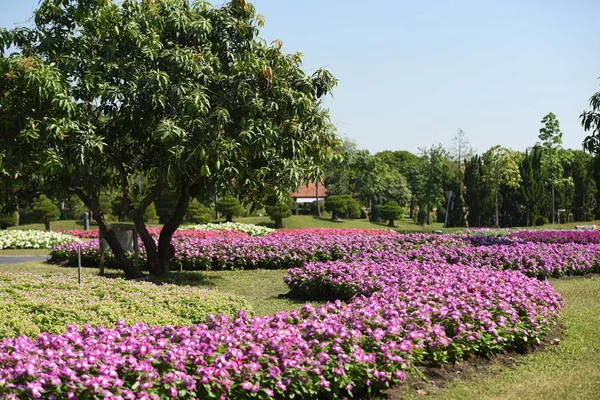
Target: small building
{"type": "Point", "coordinates": [308, 194]}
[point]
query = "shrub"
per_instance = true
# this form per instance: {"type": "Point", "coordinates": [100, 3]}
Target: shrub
{"type": "Point", "coordinates": [391, 212]}
{"type": "Point", "coordinates": [230, 207]}
{"type": "Point", "coordinates": [32, 304]}
{"type": "Point", "coordinates": [250, 229]}
{"type": "Point", "coordinates": [198, 213]}
{"type": "Point", "coordinates": [280, 211]}
{"type": "Point", "coordinates": [150, 213]}
{"type": "Point", "coordinates": [342, 205]}
{"type": "Point", "coordinates": [7, 220]}
{"type": "Point", "coordinates": [45, 211]}
{"type": "Point", "coordinates": [32, 239]}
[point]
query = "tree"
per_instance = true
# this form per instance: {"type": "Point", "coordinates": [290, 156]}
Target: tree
{"type": "Point", "coordinates": [477, 192]}
{"type": "Point", "coordinates": [460, 151]}
{"type": "Point", "coordinates": [391, 212]}
{"type": "Point", "coordinates": [45, 211]}
{"type": "Point", "coordinates": [7, 220]}
{"type": "Point", "coordinates": [533, 192]}
{"type": "Point", "coordinates": [435, 168]}
{"type": "Point", "coordinates": [277, 212]}
{"type": "Point", "coordinates": [590, 121]}
{"type": "Point", "coordinates": [186, 94]}
{"type": "Point", "coordinates": [584, 199]}
{"type": "Point", "coordinates": [230, 207]}
{"type": "Point", "coordinates": [342, 205]}
{"type": "Point", "coordinates": [551, 140]}
{"type": "Point", "coordinates": [198, 213]}
{"type": "Point", "coordinates": [500, 167]}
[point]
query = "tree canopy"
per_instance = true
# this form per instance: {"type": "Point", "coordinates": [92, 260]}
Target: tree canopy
{"type": "Point", "coordinates": [186, 93]}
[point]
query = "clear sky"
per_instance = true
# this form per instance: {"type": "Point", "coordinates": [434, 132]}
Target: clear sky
{"type": "Point", "coordinates": [411, 73]}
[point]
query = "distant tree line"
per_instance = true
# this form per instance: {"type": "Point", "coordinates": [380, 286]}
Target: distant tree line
{"type": "Point", "coordinates": [500, 187]}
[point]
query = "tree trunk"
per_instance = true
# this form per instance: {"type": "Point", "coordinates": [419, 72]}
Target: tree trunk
{"type": "Point", "coordinates": [229, 218]}
{"type": "Point", "coordinates": [428, 219]}
{"type": "Point", "coordinates": [166, 250]}
{"type": "Point", "coordinates": [17, 211]}
{"type": "Point", "coordinates": [391, 224]}
{"type": "Point", "coordinates": [47, 224]}
{"type": "Point", "coordinates": [278, 223]}
{"type": "Point", "coordinates": [131, 271]}
{"type": "Point", "coordinates": [318, 206]}
{"type": "Point", "coordinates": [497, 217]}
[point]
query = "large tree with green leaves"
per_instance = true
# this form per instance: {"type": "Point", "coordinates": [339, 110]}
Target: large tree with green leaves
{"type": "Point", "coordinates": [186, 93]}
{"type": "Point", "coordinates": [434, 170]}
{"type": "Point", "coordinates": [501, 168]}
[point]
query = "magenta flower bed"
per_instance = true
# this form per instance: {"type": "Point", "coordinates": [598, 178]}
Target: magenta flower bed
{"type": "Point", "coordinates": [402, 314]}
{"type": "Point", "coordinates": [566, 236]}
{"type": "Point", "coordinates": [333, 231]}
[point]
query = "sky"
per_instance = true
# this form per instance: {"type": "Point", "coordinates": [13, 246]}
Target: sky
{"type": "Point", "coordinates": [412, 73]}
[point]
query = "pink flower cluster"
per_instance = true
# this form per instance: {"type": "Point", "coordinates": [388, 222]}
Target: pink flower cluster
{"type": "Point", "coordinates": [399, 313]}
{"type": "Point", "coordinates": [332, 231]}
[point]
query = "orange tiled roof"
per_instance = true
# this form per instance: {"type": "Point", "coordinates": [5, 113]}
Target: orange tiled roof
{"type": "Point", "coordinates": [310, 190]}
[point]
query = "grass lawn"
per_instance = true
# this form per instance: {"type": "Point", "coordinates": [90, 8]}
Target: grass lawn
{"type": "Point", "coordinates": [24, 252]}
{"type": "Point", "coordinates": [569, 370]}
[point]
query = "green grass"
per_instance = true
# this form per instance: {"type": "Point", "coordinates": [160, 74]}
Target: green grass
{"type": "Point", "coordinates": [568, 371]}
{"type": "Point", "coordinates": [24, 252]}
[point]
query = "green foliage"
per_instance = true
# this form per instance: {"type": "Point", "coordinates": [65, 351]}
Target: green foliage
{"type": "Point", "coordinates": [478, 193]}
{"type": "Point", "coordinates": [391, 212]}
{"type": "Point", "coordinates": [45, 211]}
{"type": "Point", "coordinates": [590, 121]}
{"type": "Point", "coordinates": [280, 211]}
{"type": "Point", "coordinates": [33, 304]}
{"type": "Point", "coordinates": [185, 94]}
{"type": "Point", "coordinates": [434, 170]}
{"type": "Point", "coordinates": [150, 213]}
{"type": "Point", "coordinates": [342, 205]}
{"type": "Point", "coordinates": [7, 220]}
{"type": "Point", "coordinates": [198, 213]}
{"type": "Point", "coordinates": [501, 168]}
{"type": "Point", "coordinates": [230, 207]}
{"type": "Point", "coordinates": [165, 206]}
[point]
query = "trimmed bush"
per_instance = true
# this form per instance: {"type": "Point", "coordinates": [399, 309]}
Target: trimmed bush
{"type": "Point", "coordinates": [45, 211]}
{"type": "Point", "coordinates": [342, 206]}
{"type": "Point", "coordinates": [31, 304]}
{"type": "Point", "coordinates": [198, 213]}
{"type": "Point", "coordinates": [7, 220]}
{"type": "Point", "coordinates": [280, 211]}
{"type": "Point", "coordinates": [391, 212]}
{"type": "Point", "coordinates": [230, 207]}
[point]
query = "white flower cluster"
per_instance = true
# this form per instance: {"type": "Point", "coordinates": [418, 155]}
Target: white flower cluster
{"type": "Point", "coordinates": [250, 229]}
{"type": "Point", "coordinates": [31, 239]}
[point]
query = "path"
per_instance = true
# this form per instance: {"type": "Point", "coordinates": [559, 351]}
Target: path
{"type": "Point", "coordinates": [19, 259]}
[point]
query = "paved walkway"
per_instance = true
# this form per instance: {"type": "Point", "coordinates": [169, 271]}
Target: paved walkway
{"type": "Point", "coordinates": [20, 259]}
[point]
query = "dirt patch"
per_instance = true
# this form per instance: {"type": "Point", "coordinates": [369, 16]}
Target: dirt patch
{"type": "Point", "coordinates": [438, 377]}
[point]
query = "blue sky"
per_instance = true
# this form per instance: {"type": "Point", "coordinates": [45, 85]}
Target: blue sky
{"type": "Point", "coordinates": [412, 73]}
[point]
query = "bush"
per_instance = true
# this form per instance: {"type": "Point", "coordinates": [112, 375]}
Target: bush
{"type": "Point", "coordinates": [32, 304]}
{"type": "Point", "coordinates": [198, 213]}
{"type": "Point", "coordinates": [540, 220]}
{"type": "Point", "coordinates": [7, 220]}
{"type": "Point", "coordinates": [375, 214]}
{"type": "Point", "coordinates": [342, 205]}
{"type": "Point", "coordinates": [440, 214]}
{"type": "Point", "coordinates": [45, 211]}
{"type": "Point", "coordinates": [280, 211]}
{"type": "Point", "coordinates": [230, 207]}
{"type": "Point", "coordinates": [250, 229]}
{"type": "Point", "coordinates": [150, 213]}
{"type": "Point", "coordinates": [32, 239]}
{"type": "Point", "coordinates": [391, 212]}
{"type": "Point", "coordinates": [313, 207]}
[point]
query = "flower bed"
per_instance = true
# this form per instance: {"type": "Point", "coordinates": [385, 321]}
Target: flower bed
{"type": "Point", "coordinates": [32, 239]}
{"type": "Point", "coordinates": [402, 314]}
{"type": "Point", "coordinates": [31, 304]}
{"type": "Point", "coordinates": [250, 229]}
{"type": "Point", "coordinates": [563, 236]}
{"type": "Point", "coordinates": [333, 231]}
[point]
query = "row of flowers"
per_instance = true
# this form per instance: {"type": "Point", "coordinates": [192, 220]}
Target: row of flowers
{"type": "Point", "coordinates": [32, 239]}
{"type": "Point", "coordinates": [399, 314]}
{"type": "Point", "coordinates": [534, 259]}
